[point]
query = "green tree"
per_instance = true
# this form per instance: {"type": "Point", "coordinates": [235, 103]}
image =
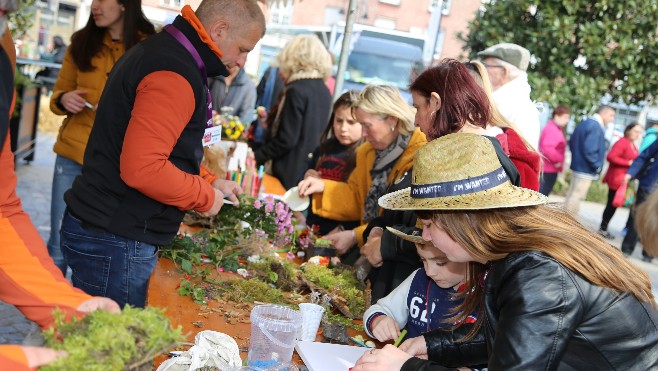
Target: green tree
{"type": "Point", "coordinates": [22, 20]}
{"type": "Point", "coordinates": [583, 50]}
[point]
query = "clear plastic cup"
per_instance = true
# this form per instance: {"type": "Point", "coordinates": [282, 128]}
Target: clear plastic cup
{"type": "Point", "coordinates": [274, 332]}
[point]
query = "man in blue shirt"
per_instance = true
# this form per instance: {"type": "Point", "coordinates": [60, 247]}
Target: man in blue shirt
{"type": "Point", "coordinates": [587, 146]}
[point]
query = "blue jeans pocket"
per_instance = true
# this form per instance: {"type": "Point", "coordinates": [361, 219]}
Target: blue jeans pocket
{"type": "Point", "coordinates": [89, 254]}
{"type": "Point", "coordinates": [90, 272]}
{"type": "Point", "coordinates": [143, 262]}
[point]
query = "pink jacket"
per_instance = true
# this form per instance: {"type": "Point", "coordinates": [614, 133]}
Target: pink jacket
{"type": "Point", "coordinates": [552, 146]}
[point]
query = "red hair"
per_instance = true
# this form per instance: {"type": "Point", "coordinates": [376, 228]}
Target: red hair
{"type": "Point", "coordinates": [462, 99]}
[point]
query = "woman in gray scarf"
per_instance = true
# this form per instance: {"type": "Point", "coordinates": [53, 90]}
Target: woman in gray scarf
{"type": "Point", "coordinates": [391, 140]}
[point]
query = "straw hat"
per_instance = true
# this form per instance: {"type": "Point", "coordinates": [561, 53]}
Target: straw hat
{"type": "Point", "coordinates": [459, 172]}
{"type": "Point", "coordinates": [415, 236]}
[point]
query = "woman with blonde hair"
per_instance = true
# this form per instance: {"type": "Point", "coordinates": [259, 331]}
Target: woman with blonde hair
{"type": "Point", "coordinates": [550, 294]}
{"type": "Point", "coordinates": [387, 123]}
{"type": "Point", "coordinates": [304, 66]}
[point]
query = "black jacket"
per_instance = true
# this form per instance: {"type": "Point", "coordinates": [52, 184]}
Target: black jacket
{"type": "Point", "coordinates": [302, 119]}
{"type": "Point", "coordinates": [542, 316]}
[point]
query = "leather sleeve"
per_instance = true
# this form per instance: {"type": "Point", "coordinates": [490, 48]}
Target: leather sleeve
{"type": "Point", "coordinates": [536, 306]}
{"type": "Point", "coordinates": [443, 348]}
{"type": "Point", "coordinates": [417, 364]}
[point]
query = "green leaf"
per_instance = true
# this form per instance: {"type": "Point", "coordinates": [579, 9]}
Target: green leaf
{"type": "Point", "coordinates": [186, 265]}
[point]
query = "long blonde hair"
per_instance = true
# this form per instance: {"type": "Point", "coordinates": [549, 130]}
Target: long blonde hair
{"type": "Point", "coordinates": [384, 101]}
{"type": "Point", "coordinates": [490, 235]}
{"type": "Point", "coordinates": [481, 76]}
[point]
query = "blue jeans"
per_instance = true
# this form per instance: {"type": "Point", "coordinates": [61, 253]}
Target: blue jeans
{"type": "Point", "coordinates": [104, 264]}
{"type": "Point", "coordinates": [65, 172]}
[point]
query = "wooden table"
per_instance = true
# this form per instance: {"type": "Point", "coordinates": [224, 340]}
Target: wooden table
{"type": "Point", "coordinates": [183, 311]}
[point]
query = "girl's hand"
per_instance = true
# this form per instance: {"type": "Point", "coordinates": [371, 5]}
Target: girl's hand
{"type": "Point", "coordinates": [312, 173]}
{"type": "Point", "coordinates": [309, 186]}
{"type": "Point", "coordinates": [385, 328]}
{"type": "Point", "coordinates": [415, 347]}
{"type": "Point", "coordinates": [388, 358]}
{"type": "Point", "coordinates": [73, 101]}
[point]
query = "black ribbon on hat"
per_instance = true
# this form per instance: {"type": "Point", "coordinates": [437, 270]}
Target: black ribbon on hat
{"type": "Point", "coordinates": [460, 187]}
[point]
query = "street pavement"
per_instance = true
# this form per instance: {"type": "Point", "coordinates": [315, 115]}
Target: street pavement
{"type": "Point", "coordinates": [34, 188]}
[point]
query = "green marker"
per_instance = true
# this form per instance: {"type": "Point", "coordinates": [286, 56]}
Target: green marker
{"type": "Point", "coordinates": [399, 340]}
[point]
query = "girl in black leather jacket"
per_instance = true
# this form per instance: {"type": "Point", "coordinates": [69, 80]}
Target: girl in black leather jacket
{"type": "Point", "coordinates": [551, 294]}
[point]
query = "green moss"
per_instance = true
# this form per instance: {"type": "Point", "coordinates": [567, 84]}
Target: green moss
{"type": "Point", "coordinates": [282, 273]}
{"type": "Point", "coordinates": [250, 290]}
{"type": "Point", "coordinates": [339, 282]}
{"type": "Point", "coordinates": [105, 341]}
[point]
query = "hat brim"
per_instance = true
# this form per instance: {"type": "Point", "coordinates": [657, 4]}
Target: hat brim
{"type": "Point", "coordinates": [485, 54]}
{"type": "Point", "coordinates": [408, 237]}
{"type": "Point", "coordinates": [503, 196]}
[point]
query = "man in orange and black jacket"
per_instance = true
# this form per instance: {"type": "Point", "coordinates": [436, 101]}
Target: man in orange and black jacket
{"type": "Point", "coordinates": [142, 162]}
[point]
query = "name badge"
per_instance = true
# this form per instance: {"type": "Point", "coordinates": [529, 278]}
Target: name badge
{"type": "Point", "coordinates": [212, 135]}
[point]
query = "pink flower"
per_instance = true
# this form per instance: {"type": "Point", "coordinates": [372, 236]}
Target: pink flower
{"type": "Point", "coordinates": [257, 204]}
{"type": "Point", "coordinates": [290, 255]}
{"type": "Point", "coordinates": [220, 269]}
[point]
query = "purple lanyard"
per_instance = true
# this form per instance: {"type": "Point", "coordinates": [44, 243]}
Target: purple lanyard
{"type": "Point", "coordinates": [183, 40]}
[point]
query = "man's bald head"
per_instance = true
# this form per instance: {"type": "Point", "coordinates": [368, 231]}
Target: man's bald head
{"type": "Point", "coordinates": [237, 13]}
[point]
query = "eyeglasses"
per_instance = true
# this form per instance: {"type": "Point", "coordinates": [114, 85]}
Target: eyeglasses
{"type": "Point", "coordinates": [493, 66]}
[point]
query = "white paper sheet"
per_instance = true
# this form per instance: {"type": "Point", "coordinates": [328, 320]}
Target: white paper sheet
{"type": "Point", "coordinates": [328, 357]}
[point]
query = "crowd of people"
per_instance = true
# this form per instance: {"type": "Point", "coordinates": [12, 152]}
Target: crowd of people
{"type": "Point", "coordinates": [444, 199]}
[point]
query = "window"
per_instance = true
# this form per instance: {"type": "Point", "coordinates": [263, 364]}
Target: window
{"type": "Point", "coordinates": [281, 13]}
{"type": "Point", "coordinates": [445, 4]}
{"type": "Point", "coordinates": [392, 2]}
{"type": "Point", "coordinates": [333, 15]}
{"type": "Point", "coordinates": [386, 23]}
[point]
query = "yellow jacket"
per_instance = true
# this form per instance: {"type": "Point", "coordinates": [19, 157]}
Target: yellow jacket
{"type": "Point", "coordinates": [75, 129]}
{"type": "Point", "coordinates": [344, 201]}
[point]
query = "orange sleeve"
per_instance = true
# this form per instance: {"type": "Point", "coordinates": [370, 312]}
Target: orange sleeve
{"type": "Point", "coordinates": [13, 358]}
{"type": "Point", "coordinates": [28, 277]}
{"type": "Point", "coordinates": [208, 175]}
{"type": "Point", "coordinates": [163, 107]}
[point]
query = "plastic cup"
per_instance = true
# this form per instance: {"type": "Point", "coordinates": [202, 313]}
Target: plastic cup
{"type": "Point", "coordinates": [311, 317]}
{"type": "Point", "coordinates": [274, 331]}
